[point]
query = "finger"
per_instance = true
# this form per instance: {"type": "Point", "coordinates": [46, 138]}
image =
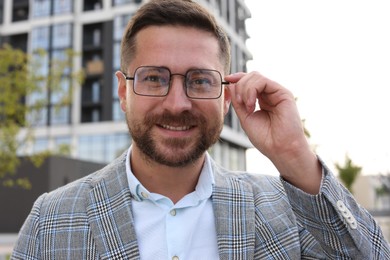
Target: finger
{"type": "Point", "coordinates": [237, 103]}
{"type": "Point", "coordinates": [249, 89]}
{"type": "Point", "coordinates": [235, 77]}
{"type": "Point", "coordinates": [250, 99]}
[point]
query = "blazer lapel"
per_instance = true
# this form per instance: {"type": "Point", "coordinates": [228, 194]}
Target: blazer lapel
{"type": "Point", "coordinates": [234, 215]}
{"type": "Point", "coordinates": [110, 216]}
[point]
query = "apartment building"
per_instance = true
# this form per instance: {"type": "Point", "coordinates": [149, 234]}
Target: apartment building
{"type": "Point", "coordinates": [93, 124]}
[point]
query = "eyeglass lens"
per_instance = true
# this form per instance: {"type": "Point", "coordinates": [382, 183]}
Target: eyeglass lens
{"type": "Point", "coordinates": [199, 83]}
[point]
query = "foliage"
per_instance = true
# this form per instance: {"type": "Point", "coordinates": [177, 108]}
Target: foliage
{"type": "Point", "coordinates": [22, 76]}
{"type": "Point", "coordinates": [384, 188]}
{"type": "Point", "coordinates": [348, 172]}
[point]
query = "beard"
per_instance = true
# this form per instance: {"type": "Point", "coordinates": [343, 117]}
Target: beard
{"type": "Point", "coordinates": [174, 152]}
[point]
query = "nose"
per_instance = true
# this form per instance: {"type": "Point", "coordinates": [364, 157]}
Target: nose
{"type": "Point", "coordinates": [177, 101]}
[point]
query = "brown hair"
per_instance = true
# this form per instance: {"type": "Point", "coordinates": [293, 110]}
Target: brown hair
{"type": "Point", "coordinates": [172, 12]}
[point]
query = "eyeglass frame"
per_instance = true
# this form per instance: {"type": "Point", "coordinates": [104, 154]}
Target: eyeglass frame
{"type": "Point", "coordinates": [170, 79]}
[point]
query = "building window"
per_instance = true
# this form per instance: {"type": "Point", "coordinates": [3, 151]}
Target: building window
{"type": "Point", "coordinates": [37, 101]}
{"type": "Point", "coordinates": [91, 93]}
{"type": "Point", "coordinates": [37, 117]}
{"type": "Point", "coordinates": [92, 5]}
{"type": "Point", "coordinates": [116, 56]}
{"type": "Point", "coordinates": [20, 9]}
{"type": "Point", "coordinates": [92, 102]}
{"type": "Point", "coordinates": [229, 155]}
{"type": "Point", "coordinates": [122, 2]}
{"type": "Point", "coordinates": [120, 23]}
{"type": "Point", "coordinates": [59, 115]}
{"type": "Point", "coordinates": [62, 36]}
{"type": "Point", "coordinates": [41, 8]}
{"type": "Point", "coordinates": [117, 113]}
{"type": "Point", "coordinates": [63, 6]}
{"type": "Point", "coordinates": [102, 148]}
{"type": "Point", "coordinates": [54, 41]}
{"type": "Point", "coordinates": [61, 40]}
{"type": "Point", "coordinates": [40, 37]}
{"type": "Point", "coordinates": [91, 114]}
{"type": "Point", "coordinates": [40, 145]}
{"type": "Point", "coordinates": [19, 41]}
{"type": "Point", "coordinates": [59, 108]}
{"type": "Point", "coordinates": [1, 10]}
{"type": "Point", "coordinates": [62, 144]}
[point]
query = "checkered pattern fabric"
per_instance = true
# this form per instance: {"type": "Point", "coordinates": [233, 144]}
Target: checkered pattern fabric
{"type": "Point", "coordinates": [257, 217]}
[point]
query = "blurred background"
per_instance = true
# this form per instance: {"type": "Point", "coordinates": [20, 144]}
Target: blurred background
{"type": "Point", "coordinates": [60, 118]}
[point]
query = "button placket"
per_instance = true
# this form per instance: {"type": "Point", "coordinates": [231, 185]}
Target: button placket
{"type": "Point", "coordinates": [173, 234]}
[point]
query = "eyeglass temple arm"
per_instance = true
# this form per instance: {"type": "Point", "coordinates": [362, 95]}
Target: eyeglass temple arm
{"type": "Point", "coordinates": [127, 77]}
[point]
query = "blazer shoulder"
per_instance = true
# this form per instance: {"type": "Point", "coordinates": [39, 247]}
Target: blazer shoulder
{"type": "Point", "coordinates": [258, 183]}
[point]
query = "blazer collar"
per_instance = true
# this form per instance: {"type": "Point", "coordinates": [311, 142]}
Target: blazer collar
{"type": "Point", "coordinates": [234, 215]}
{"type": "Point", "coordinates": [110, 215]}
{"type": "Point", "coordinates": [112, 223]}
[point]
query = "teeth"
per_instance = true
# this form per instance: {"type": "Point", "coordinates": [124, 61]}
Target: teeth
{"type": "Point", "coordinates": [176, 128]}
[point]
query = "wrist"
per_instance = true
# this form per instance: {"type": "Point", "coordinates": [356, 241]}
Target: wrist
{"type": "Point", "coordinates": [301, 168]}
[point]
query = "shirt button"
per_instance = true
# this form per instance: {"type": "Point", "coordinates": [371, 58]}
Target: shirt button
{"type": "Point", "coordinates": [145, 195]}
{"type": "Point", "coordinates": [175, 258]}
{"type": "Point", "coordinates": [173, 213]}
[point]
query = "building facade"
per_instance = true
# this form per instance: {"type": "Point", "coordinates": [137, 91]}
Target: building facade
{"type": "Point", "coordinates": [92, 124]}
{"type": "Point", "coordinates": [373, 193]}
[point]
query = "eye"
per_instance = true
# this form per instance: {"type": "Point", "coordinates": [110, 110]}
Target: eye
{"type": "Point", "coordinates": [201, 81]}
{"type": "Point", "coordinates": [152, 78]}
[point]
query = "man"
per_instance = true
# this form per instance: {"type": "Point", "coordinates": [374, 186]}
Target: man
{"type": "Point", "coordinates": [165, 198]}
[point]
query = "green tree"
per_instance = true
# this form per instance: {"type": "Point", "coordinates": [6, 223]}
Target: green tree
{"type": "Point", "coordinates": [348, 172]}
{"type": "Point", "coordinates": [20, 77]}
{"type": "Point", "coordinates": [384, 188]}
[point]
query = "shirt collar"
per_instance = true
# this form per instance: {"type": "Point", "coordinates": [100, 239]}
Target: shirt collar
{"type": "Point", "coordinates": [203, 189]}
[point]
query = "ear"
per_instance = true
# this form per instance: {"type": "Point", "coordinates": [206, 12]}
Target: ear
{"type": "Point", "coordinates": [122, 89]}
{"type": "Point", "coordinates": [227, 99]}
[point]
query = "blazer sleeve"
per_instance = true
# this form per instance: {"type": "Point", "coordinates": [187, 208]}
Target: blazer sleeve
{"type": "Point", "coordinates": [28, 243]}
{"type": "Point", "coordinates": [342, 227]}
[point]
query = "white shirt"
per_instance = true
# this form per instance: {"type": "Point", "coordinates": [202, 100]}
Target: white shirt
{"type": "Point", "coordinates": [185, 230]}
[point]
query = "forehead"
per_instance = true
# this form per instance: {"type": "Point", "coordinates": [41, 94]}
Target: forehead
{"type": "Point", "coordinates": [176, 46]}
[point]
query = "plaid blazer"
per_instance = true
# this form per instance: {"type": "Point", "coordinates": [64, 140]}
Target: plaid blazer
{"type": "Point", "coordinates": [257, 217]}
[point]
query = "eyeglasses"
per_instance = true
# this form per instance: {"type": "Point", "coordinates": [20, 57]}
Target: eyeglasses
{"type": "Point", "coordinates": [155, 82]}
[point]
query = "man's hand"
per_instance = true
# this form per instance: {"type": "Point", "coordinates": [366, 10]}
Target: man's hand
{"type": "Point", "coordinates": [276, 128]}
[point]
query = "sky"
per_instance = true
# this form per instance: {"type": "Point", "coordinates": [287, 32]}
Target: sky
{"type": "Point", "coordinates": [334, 55]}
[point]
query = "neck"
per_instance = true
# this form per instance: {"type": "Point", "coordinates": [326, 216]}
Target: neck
{"type": "Point", "coordinates": [172, 182]}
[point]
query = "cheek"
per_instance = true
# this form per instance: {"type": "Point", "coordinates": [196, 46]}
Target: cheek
{"type": "Point", "coordinates": [140, 106]}
{"type": "Point", "coordinates": [214, 113]}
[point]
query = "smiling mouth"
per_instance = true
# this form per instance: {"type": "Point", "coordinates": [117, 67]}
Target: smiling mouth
{"type": "Point", "coordinates": [176, 128]}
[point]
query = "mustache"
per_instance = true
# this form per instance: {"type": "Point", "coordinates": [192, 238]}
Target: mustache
{"type": "Point", "coordinates": [166, 118]}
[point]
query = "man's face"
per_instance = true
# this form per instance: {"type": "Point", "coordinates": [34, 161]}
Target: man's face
{"type": "Point", "coordinates": [173, 130]}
